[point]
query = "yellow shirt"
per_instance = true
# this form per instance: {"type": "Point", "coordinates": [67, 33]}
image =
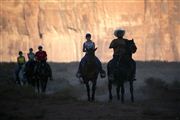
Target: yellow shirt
{"type": "Point", "coordinates": [21, 60]}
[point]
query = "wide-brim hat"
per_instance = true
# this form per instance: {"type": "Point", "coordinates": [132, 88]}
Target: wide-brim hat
{"type": "Point", "coordinates": [119, 33]}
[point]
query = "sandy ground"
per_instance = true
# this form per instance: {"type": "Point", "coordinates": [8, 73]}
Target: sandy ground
{"type": "Point", "coordinates": [157, 96]}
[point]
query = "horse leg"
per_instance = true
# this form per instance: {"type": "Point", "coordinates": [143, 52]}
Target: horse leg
{"type": "Point", "coordinates": [93, 90]}
{"type": "Point", "coordinates": [110, 88]}
{"type": "Point", "coordinates": [131, 90]}
{"type": "Point", "coordinates": [117, 92]}
{"type": "Point", "coordinates": [37, 84]}
{"type": "Point", "coordinates": [88, 91]}
{"type": "Point", "coordinates": [44, 84]}
{"type": "Point", "coordinates": [122, 93]}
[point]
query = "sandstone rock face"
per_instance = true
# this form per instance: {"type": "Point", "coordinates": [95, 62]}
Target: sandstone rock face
{"type": "Point", "coordinates": [60, 26]}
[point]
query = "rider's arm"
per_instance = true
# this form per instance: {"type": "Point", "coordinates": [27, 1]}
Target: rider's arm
{"type": "Point", "coordinates": [93, 45]}
{"type": "Point", "coordinates": [134, 48]}
{"type": "Point", "coordinates": [24, 59]}
{"type": "Point", "coordinates": [36, 56]}
{"type": "Point", "coordinates": [45, 55]}
{"type": "Point", "coordinates": [84, 48]}
{"type": "Point", "coordinates": [18, 60]}
{"type": "Point", "coordinates": [112, 45]}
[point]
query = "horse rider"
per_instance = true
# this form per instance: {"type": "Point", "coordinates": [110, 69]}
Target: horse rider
{"type": "Point", "coordinates": [41, 57]}
{"type": "Point", "coordinates": [123, 50]}
{"type": "Point", "coordinates": [31, 57]}
{"type": "Point", "coordinates": [88, 45]}
{"type": "Point", "coordinates": [20, 61]}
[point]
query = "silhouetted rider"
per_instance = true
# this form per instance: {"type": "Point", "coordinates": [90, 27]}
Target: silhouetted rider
{"type": "Point", "coordinates": [41, 57]}
{"type": "Point", "coordinates": [31, 55]}
{"type": "Point", "coordinates": [87, 46]}
{"type": "Point", "coordinates": [21, 61]}
{"type": "Point", "coordinates": [31, 58]}
{"type": "Point", "coordinates": [123, 50]}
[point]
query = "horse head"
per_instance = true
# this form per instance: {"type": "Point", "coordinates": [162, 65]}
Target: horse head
{"type": "Point", "coordinates": [132, 46]}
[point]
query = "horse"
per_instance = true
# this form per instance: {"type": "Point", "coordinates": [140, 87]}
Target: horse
{"type": "Point", "coordinates": [121, 71]}
{"type": "Point", "coordinates": [90, 72]}
{"type": "Point", "coordinates": [29, 72]}
{"type": "Point", "coordinates": [42, 73]}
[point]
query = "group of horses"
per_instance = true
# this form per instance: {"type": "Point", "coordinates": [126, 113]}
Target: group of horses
{"type": "Point", "coordinates": [35, 74]}
{"type": "Point", "coordinates": [117, 75]}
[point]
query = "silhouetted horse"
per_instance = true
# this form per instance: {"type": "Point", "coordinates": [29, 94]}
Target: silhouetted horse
{"type": "Point", "coordinates": [42, 73]}
{"type": "Point", "coordinates": [121, 69]}
{"type": "Point", "coordinates": [90, 72]}
{"type": "Point", "coordinates": [29, 72]}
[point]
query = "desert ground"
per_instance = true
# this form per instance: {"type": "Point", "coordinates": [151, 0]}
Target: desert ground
{"type": "Point", "coordinates": [157, 95]}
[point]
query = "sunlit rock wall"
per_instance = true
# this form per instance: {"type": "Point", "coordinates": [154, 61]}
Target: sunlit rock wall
{"type": "Point", "coordinates": [60, 26]}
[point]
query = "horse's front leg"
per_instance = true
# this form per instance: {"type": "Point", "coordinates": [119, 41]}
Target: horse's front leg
{"type": "Point", "coordinates": [93, 90]}
{"type": "Point", "coordinates": [38, 85]}
{"type": "Point", "coordinates": [44, 84]}
{"type": "Point", "coordinates": [131, 90]}
{"type": "Point", "coordinates": [88, 90]}
{"type": "Point", "coordinates": [117, 92]}
{"type": "Point", "coordinates": [122, 93]}
{"type": "Point", "coordinates": [110, 90]}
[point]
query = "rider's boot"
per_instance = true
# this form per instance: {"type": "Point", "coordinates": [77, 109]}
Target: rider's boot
{"type": "Point", "coordinates": [102, 72]}
{"type": "Point", "coordinates": [78, 74]}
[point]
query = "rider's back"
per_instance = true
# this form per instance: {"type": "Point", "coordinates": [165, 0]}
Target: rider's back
{"type": "Point", "coordinates": [21, 60]}
{"type": "Point", "coordinates": [41, 56]}
{"type": "Point", "coordinates": [31, 56]}
{"type": "Point", "coordinates": [119, 46]}
{"type": "Point", "coordinates": [88, 45]}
